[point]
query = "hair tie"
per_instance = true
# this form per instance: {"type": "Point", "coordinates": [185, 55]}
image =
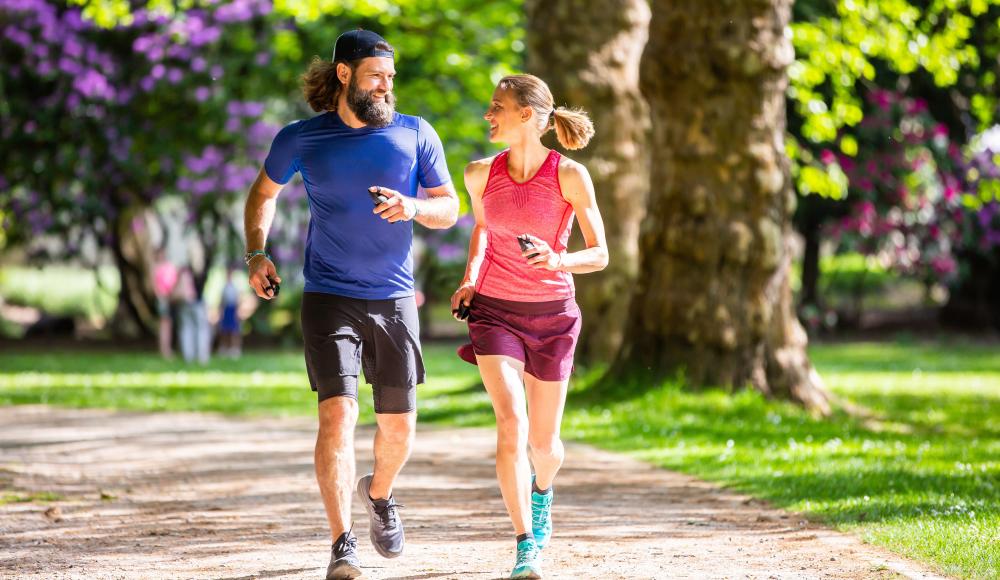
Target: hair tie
{"type": "Point", "coordinates": [552, 114]}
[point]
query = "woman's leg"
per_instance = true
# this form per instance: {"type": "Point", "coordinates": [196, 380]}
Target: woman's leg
{"type": "Point", "coordinates": [546, 401]}
{"type": "Point", "coordinates": [502, 376]}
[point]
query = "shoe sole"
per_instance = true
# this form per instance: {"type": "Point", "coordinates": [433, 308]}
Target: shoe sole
{"type": "Point", "coordinates": [344, 571]}
{"type": "Point", "coordinates": [362, 490]}
{"type": "Point", "coordinates": [529, 575]}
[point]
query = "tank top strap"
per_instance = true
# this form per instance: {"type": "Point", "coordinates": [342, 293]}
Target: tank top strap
{"type": "Point", "coordinates": [551, 166]}
{"type": "Point", "coordinates": [498, 165]}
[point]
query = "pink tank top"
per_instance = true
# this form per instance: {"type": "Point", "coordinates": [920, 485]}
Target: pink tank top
{"type": "Point", "coordinates": [534, 207]}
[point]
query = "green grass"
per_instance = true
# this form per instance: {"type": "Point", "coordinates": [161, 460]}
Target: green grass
{"type": "Point", "coordinates": [919, 474]}
{"type": "Point", "coordinates": [81, 294]}
{"type": "Point", "coordinates": [35, 497]}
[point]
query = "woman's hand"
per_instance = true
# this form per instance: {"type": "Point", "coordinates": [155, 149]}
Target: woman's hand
{"type": "Point", "coordinates": [544, 256]}
{"type": "Point", "coordinates": [464, 295]}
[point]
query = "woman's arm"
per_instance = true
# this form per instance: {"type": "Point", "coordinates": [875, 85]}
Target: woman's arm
{"type": "Point", "coordinates": [578, 191]}
{"type": "Point", "coordinates": [476, 174]}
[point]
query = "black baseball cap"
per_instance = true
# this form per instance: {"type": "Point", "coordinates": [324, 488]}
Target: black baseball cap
{"type": "Point", "coordinates": [356, 44]}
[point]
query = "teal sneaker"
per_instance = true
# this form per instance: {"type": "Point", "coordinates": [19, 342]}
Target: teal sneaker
{"type": "Point", "coordinates": [541, 516]}
{"type": "Point", "coordinates": [529, 560]}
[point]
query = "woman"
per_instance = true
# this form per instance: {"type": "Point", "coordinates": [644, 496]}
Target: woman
{"type": "Point", "coordinates": [524, 321]}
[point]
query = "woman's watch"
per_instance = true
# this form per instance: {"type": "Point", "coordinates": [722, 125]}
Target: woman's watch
{"type": "Point", "coordinates": [253, 254]}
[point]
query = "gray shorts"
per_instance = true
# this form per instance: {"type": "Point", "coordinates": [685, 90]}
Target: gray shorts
{"type": "Point", "coordinates": [345, 335]}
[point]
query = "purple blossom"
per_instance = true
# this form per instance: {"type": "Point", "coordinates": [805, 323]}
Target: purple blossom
{"type": "Point", "coordinates": [92, 84]}
{"type": "Point", "coordinates": [201, 94]}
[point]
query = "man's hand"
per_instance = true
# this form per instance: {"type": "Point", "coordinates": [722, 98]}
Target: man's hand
{"type": "Point", "coordinates": [261, 269]}
{"type": "Point", "coordinates": [397, 207]}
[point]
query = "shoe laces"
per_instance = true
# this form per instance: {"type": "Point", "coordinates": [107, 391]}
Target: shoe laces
{"type": "Point", "coordinates": [347, 542]}
{"type": "Point", "coordinates": [387, 513]}
{"type": "Point", "coordinates": [540, 516]}
{"type": "Point", "coordinates": [526, 555]}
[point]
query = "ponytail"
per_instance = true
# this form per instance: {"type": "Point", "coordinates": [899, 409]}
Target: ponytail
{"type": "Point", "coordinates": [573, 127]}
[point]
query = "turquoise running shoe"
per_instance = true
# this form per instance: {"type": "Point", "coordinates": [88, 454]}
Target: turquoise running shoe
{"type": "Point", "coordinates": [529, 560]}
{"type": "Point", "coordinates": [541, 516]}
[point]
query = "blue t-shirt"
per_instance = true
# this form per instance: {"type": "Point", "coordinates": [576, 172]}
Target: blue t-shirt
{"type": "Point", "coordinates": [351, 251]}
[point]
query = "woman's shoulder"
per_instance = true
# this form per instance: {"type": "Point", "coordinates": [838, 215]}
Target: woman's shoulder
{"type": "Point", "coordinates": [477, 173]}
{"type": "Point", "coordinates": [571, 170]}
{"type": "Point", "coordinates": [480, 165]}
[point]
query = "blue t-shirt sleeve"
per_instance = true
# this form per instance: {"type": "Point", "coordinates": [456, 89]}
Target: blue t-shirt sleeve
{"type": "Point", "coordinates": [432, 166]}
{"type": "Point", "coordinates": [283, 160]}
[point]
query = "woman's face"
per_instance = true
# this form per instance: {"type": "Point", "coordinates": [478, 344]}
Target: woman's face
{"type": "Point", "coordinates": [506, 118]}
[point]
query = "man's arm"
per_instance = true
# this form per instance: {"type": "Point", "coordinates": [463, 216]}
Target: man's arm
{"type": "Point", "coordinates": [258, 214]}
{"type": "Point", "coordinates": [438, 211]}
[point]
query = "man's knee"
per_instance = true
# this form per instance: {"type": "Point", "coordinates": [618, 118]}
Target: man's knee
{"type": "Point", "coordinates": [338, 414]}
{"type": "Point", "coordinates": [397, 429]}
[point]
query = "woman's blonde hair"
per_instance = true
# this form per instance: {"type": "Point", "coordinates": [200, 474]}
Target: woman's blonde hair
{"type": "Point", "coordinates": [573, 126]}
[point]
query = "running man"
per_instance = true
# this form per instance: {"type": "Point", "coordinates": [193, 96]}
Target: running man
{"type": "Point", "coordinates": [358, 309]}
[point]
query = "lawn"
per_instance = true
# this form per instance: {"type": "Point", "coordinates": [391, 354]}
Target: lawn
{"type": "Point", "coordinates": [919, 473]}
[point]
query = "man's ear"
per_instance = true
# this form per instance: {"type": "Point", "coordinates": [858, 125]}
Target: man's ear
{"type": "Point", "coordinates": [343, 72]}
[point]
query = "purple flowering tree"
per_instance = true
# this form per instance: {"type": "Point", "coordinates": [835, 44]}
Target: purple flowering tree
{"type": "Point", "coordinates": [920, 204]}
{"type": "Point", "coordinates": [99, 123]}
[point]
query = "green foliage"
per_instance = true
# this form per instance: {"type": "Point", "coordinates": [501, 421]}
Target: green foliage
{"type": "Point", "coordinates": [838, 51]}
{"type": "Point", "coordinates": [449, 56]}
{"type": "Point", "coordinates": [845, 47]}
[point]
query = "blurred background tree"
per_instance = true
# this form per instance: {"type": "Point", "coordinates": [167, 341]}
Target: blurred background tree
{"type": "Point", "coordinates": [130, 125]}
{"type": "Point", "coordinates": [120, 115]}
{"type": "Point", "coordinates": [889, 104]}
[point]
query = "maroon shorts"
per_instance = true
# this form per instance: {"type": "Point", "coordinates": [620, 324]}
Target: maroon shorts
{"type": "Point", "coordinates": [542, 335]}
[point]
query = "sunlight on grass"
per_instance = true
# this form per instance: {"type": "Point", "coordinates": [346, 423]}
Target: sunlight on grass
{"type": "Point", "coordinates": [919, 473]}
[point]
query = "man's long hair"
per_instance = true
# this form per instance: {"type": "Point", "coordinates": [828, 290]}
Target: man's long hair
{"type": "Point", "coordinates": [320, 85]}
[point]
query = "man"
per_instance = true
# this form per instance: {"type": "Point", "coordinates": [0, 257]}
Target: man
{"type": "Point", "coordinates": [358, 310]}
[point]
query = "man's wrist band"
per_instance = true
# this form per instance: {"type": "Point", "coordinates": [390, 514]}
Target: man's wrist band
{"type": "Point", "coordinates": [253, 254]}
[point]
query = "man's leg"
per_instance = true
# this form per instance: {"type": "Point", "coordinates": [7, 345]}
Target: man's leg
{"type": "Point", "coordinates": [335, 460]}
{"type": "Point", "coordinates": [393, 443]}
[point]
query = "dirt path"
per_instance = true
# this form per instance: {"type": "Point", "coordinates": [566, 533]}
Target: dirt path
{"type": "Point", "coordinates": [202, 496]}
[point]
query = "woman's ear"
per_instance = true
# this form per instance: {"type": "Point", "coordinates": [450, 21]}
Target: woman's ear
{"type": "Point", "coordinates": [526, 114]}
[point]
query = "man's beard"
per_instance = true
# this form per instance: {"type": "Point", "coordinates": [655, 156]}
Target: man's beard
{"type": "Point", "coordinates": [366, 109]}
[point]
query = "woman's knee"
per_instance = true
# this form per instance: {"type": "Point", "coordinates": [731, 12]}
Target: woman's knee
{"type": "Point", "coordinates": [512, 434]}
{"type": "Point", "coordinates": [547, 445]}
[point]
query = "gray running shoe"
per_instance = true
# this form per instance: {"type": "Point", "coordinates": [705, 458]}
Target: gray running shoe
{"type": "Point", "coordinates": [386, 529]}
{"type": "Point", "coordinates": [344, 562]}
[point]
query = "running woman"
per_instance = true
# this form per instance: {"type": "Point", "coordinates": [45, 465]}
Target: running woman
{"type": "Point", "coordinates": [524, 321]}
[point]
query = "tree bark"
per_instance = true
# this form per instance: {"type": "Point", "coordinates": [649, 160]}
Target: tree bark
{"type": "Point", "coordinates": [588, 52]}
{"type": "Point", "coordinates": [135, 315]}
{"type": "Point", "coordinates": [713, 298]}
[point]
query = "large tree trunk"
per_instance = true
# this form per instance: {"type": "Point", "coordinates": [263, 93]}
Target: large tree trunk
{"type": "Point", "coordinates": [714, 297]}
{"type": "Point", "coordinates": [135, 314]}
{"type": "Point", "coordinates": [588, 53]}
